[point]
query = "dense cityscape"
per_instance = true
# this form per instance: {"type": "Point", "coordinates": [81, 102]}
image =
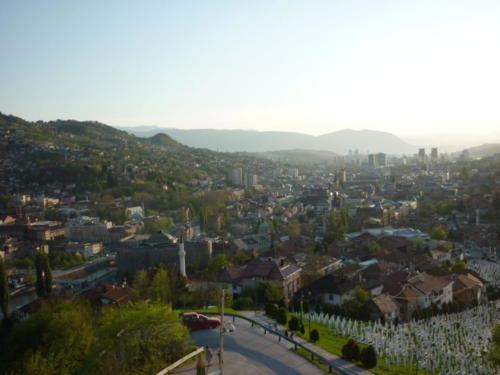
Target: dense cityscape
{"type": "Point", "coordinates": [93, 217]}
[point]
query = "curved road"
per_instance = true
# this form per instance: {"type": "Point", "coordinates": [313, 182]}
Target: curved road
{"type": "Point", "coordinates": [247, 351]}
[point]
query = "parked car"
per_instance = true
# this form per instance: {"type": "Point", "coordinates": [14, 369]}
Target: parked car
{"type": "Point", "coordinates": [194, 320]}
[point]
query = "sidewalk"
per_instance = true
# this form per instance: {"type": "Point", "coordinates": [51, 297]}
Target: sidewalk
{"type": "Point", "coordinates": [334, 360]}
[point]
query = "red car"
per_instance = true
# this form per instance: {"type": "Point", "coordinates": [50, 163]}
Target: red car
{"type": "Point", "coordinates": [194, 320]}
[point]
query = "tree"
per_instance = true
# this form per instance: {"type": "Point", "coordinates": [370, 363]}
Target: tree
{"type": "Point", "coordinates": [458, 266]}
{"type": "Point", "coordinates": [139, 338]}
{"type": "Point", "coordinates": [273, 293]}
{"type": "Point", "coordinates": [47, 274]}
{"type": "Point", "coordinates": [141, 284]}
{"type": "Point", "coordinates": [160, 286]}
{"type": "Point", "coordinates": [281, 317]}
{"type": "Point", "coordinates": [203, 219]}
{"type": "Point", "coordinates": [40, 283]}
{"type": "Point", "coordinates": [294, 323]}
{"type": "Point", "coordinates": [293, 229]}
{"type": "Point", "coordinates": [314, 335]}
{"type": "Point", "coordinates": [373, 247]}
{"type": "Point", "coordinates": [439, 233]}
{"type": "Point", "coordinates": [4, 291]}
{"type": "Point", "coordinates": [350, 350]}
{"type": "Point", "coordinates": [494, 353]}
{"type": "Point", "coordinates": [268, 292]}
{"type": "Point", "coordinates": [368, 356]}
{"type": "Point", "coordinates": [354, 305]}
{"type": "Point", "coordinates": [61, 339]}
{"type": "Point", "coordinates": [217, 263]}
{"type": "Point", "coordinates": [337, 225]}
{"type": "Point", "coordinates": [271, 309]}
{"type": "Point", "coordinates": [418, 243]}
{"type": "Point", "coordinates": [161, 223]}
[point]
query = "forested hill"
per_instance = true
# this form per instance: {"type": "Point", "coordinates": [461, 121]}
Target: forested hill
{"type": "Point", "coordinates": [89, 156]}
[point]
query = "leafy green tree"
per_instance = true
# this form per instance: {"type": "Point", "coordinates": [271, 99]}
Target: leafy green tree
{"type": "Point", "coordinates": [30, 277]}
{"type": "Point", "coordinates": [373, 247]}
{"type": "Point", "coordinates": [4, 291]}
{"type": "Point", "coordinates": [294, 323]}
{"type": "Point", "coordinates": [281, 316]}
{"type": "Point", "coordinates": [243, 303]}
{"type": "Point", "coordinates": [62, 339]}
{"type": "Point", "coordinates": [47, 274]}
{"type": "Point", "coordinates": [355, 305]}
{"type": "Point", "coordinates": [273, 294]}
{"type": "Point", "coordinates": [268, 293]}
{"type": "Point", "coordinates": [217, 263]}
{"type": "Point", "coordinates": [271, 309]}
{"type": "Point", "coordinates": [418, 243]}
{"type": "Point", "coordinates": [204, 219]}
{"type": "Point", "coordinates": [4, 200]}
{"type": "Point", "coordinates": [337, 225]}
{"type": "Point", "coordinates": [494, 352]}
{"type": "Point", "coordinates": [439, 233]}
{"type": "Point", "coordinates": [368, 356]}
{"type": "Point", "coordinates": [293, 229]}
{"type": "Point", "coordinates": [458, 266]}
{"type": "Point", "coordinates": [160, 224]}
{"type": "Point", "coordinates": [40, 283]}
{"type": "Point", "coordinates": [141, 284]}
{"type": "Point", "coordinates": [160, 286]}
{"type": "Point", "coordinates": [139, 338]}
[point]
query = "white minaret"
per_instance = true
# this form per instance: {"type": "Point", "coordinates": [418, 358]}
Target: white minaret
{"type": "Point", "coordinates": [182, 257]}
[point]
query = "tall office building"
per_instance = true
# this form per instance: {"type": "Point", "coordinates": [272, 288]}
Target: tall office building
{"type": "Point", "coordinates": [237, 176]}
{"type": "Point", "coordinates": [372, 160]}
{"type": "Point", "coordinates": [381, 159]}
{"type": "Point", "coordinates": [434, 155]}
{"type": "Point", "coordinates": [252, 180]}
{"type": "Point", "coordinates": [294, 172]}
{"type": "Point", "coordinates": [421, 155]}
{"type": "Point", "coordinates": [377, 160]}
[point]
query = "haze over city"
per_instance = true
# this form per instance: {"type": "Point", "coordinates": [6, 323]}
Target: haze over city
{"type": "Point", "coordinates": [410, 68]}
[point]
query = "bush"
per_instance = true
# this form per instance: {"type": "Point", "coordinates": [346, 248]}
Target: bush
{"type": "Point", "coordinates": [314, 335]}
{"type": "Point", "coordinates": [350, 350]}
{"type": "Point", "coordinates": [271, 310]}
{"type": "Point", "coordinates": [302, 329]}
{"type": "Point", "coordinates": [368, 356]}
{"type": "Point", "coordinates": [243, 303]}
{"type": "Point", "coordinates": [294, 323]}
{"type": "Point", "coordinates": [281, 317]}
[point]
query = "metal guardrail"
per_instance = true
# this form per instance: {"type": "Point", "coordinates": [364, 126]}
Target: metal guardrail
{"type": "Point", "coordinates": [181, 361]}
{"type": "Point", "coordinates": [281, 336]}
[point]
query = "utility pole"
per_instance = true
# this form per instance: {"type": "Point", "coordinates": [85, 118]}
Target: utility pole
{"type": "Point", "coordinates": [221, 335]}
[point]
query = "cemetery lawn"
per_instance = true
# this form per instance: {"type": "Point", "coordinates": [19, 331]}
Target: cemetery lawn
{"type": "Point", "coordinates": [333, 344]}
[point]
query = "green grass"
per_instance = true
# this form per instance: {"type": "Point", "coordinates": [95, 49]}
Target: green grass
{"type": "Point", "coordinates": [334, 343]}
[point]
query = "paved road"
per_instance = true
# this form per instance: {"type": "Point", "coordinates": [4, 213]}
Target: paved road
{"type": "Point", "coordinates": [248, 352]}
{"type": "Point", "coordinates": [337, 362]}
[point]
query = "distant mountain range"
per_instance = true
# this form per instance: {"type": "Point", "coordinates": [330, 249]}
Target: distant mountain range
{"type": "Point", "coordinates": [485, 150]}
{"type": "Point", "coordinates": [339, 142]}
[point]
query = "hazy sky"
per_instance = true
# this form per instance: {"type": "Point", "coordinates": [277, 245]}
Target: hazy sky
{"type": "Point", "coordinates": [309, 66]}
